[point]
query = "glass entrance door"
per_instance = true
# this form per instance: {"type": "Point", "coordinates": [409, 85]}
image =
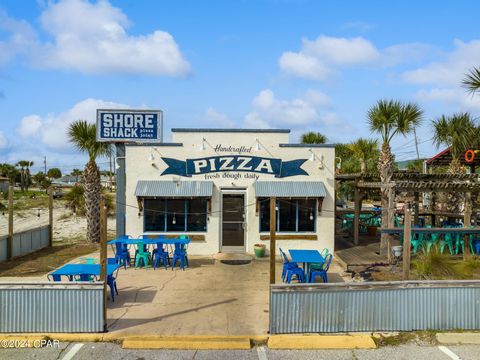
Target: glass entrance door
{"type": "Point", "coordinates": [233, 222]}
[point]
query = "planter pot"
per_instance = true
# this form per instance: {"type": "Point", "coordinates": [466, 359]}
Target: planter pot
{"type": "Point", "coordinates": [259, 250]}
{"type": "Point", "coordinates": [397, 251]}
{"type": "Point", "coordinates": [372, 230]}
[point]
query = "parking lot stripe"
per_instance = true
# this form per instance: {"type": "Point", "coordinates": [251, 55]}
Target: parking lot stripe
{"type": "Point", "coordinates": [71, 353]}
{"type": "Point", "coordinates": [449, 353]}
{"type": "Point", "coordinates": [262, 354]}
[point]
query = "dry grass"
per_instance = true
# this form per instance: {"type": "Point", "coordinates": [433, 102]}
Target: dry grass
{"type": "Point", "coordinates": [45, 260]}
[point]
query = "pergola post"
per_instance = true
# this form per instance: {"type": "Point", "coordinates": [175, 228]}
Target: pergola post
{"type": "Point", "coordinates": [466, 223]}
{"type": "Point", "coordinates": [356, 215]}
{"type": "Point", "coordinates": [407, 234]}
{"type": "Point", "coordinates": [416, 208]}
{"type": "Point", "coordinates": [390, 218]}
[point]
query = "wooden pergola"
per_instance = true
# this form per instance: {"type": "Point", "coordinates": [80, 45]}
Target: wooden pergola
{"type": "Point", "coordinates": [415, 183]}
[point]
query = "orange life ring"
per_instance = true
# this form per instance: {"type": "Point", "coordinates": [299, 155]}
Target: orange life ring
{"type": "Point", "coordinates": [469, 156]}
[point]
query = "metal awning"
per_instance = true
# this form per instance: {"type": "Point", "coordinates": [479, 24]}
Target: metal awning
{"type": "Point", "coordinates": [290, 189]}
{"type": "Point", "coordinates": [171, 188]}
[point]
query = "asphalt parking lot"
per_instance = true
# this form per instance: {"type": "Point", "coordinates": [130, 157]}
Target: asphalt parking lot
{"type": "Point", "coordinates": [89, 351]}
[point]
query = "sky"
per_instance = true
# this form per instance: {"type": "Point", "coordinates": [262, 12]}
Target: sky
{"type": "Point", "coordinates": [296, 64]}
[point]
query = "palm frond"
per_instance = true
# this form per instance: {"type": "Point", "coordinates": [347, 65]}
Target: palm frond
{"type": "Point", "coordinates": [472, 80]}
{"type": "Point", "coordinates": [312, 137]}
{"type": "Point", "coordinates": [83, 136]}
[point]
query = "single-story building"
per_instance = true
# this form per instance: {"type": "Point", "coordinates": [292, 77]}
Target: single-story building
{"type": "Point", "coordinates": [214, 185]}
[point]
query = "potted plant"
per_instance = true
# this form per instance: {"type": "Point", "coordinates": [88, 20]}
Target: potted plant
{"type": "Point", "coordinates": [259, 250]}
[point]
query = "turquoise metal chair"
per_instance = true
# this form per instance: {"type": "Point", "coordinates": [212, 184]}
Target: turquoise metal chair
{"type": "Point", "coordinates": [417, 242]}
{"type": "Point", "coordinates": [448, 242]}
{"type": "Point", "coordinates": [142, 255]}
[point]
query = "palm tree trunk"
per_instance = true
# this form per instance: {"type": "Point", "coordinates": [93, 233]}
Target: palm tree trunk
{"type": "Point", "coordinates": [91, 177]}
{"type": "Point", "coordinates": [385, 167]}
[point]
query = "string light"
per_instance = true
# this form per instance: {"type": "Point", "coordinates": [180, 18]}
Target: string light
{"type": "Point", "coordinates": [174, 221]}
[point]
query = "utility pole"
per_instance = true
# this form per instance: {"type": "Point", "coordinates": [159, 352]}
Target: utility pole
{"type": "Point", "coordinates": [416, 143]}
{"type": "Point", "coordinates": [45, 165]}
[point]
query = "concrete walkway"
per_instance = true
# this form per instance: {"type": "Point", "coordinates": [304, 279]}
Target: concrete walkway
{"type": "Point", "coordinates": [208, 298]}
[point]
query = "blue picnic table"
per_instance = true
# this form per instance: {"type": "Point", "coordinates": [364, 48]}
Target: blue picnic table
{"type": "Point", "coordinates": [71, 270]}
{"type": "Point", "coordinates": [153, 241]}
{"type": "Point", "coordinates": [306, 257]}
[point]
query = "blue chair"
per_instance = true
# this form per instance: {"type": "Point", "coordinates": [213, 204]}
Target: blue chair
{"type": "Point", "coordinates": [122, 255]}
{"type": "Point", "coordinates": [297, 272]}
{"type": "Point", "coordinates": [287, 264]}
{"type": "Point", "coordinates": [112, 284]}
{"type": "Point", "coordinates": [179, 254]}
{"type": "Point", "coordinates": [323, 272]}
{"type": "Point", "coordinates": [160, 254]}
{"type": "Point", "coordinates": [55, 277]}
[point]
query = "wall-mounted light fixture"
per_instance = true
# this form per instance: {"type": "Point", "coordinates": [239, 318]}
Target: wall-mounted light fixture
{"type": "Point", "coordinates": [117, 164]}
{"type": "Point", "coordinates": [151, 157]}
{"type": "Point", "coordinates": [257, 145]}
{"type": "Point", "coordinates": [312, 155]}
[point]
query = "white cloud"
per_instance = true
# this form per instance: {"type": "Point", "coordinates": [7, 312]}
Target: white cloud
{"type": "Point", "coordinates": [326, 55]}
{"type": "Point", "coordinates": [451, 71]}
{"type": "Point", "coordinates": [21, 37]}
{"type": "Point", "coordinates": [29, 125]}
{"type": "Point", "coordinates": [92, 38]}
{"type": "Point", "coordinates": [51, 129]}
{"type": "Point", "coordinates": [317, 59]}
{"type": "Point", "coordinates": [456, 97]}
{"type": "Point", "coordinates": [3, 141]}
{"type": "Point", "coordinates": [269, 111]}
{"type": "Point", "coordinates": [215, 118]}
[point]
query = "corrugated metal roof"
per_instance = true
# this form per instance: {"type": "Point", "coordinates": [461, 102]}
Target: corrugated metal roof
{"type": "Point", "coordinates": [290, 189]}
{"type": "Point", "coordinates": [151, 188]}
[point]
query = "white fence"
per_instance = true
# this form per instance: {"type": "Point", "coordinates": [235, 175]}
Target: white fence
{"type": "Point", "coordinates": [26, 242]}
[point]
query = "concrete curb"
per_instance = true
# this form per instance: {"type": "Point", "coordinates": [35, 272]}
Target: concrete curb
{"type": "Point", "coordinates": [467, 338]}
{"type": "Point", "coordinates": [210, 342]}
{"type": "Point", "coordinates": [313, 342]}
{"type": "Point", "coordinates": [189, 343]}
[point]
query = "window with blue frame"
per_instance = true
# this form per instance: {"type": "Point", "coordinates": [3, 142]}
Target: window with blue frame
{"type": "Point", "coordinates": [293, 215]}
{"type": "Point", "coordinates": [175, 215]}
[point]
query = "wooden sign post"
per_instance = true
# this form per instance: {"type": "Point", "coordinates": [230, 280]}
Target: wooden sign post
{"type": "Point", "coordinates": [50, 216]}
{"type": "Point", "coordinates": [10, 223]}
{"type": "Point", "coordinates": [407, 235]}
{"type": "Point", "coordinates": [103, 256]}
{"type": "Point", "coordinates": [273, 226]}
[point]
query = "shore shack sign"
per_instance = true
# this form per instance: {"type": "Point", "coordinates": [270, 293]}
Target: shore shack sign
{"type": "Point", "coordinates": [129, 125]}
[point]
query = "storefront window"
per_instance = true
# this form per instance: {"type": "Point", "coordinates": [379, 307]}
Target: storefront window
{"type": "Point", "coordinates": [293, 215]}
{"type": "Point", "coordinates": [175, 215]}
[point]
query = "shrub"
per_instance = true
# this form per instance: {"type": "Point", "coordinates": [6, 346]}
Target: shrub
{"type": "Point", "coordinates": [434, 265]}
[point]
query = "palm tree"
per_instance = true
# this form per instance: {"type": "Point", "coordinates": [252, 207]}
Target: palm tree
{"type": "Point", "coordinates": [472, 80]}
{"type": "Point", "coordinates": [312, 137]}
{"type": "Point", "coordinates": [389, 118]}
{"type": "Point", "coordinates": [77, 173]}
{"type": "Point", "coordinates": [459, 133]}
{"type": "Point", "coordinates": [25, 177]}
{"type": "Point", "coordinates": [83, 137]}
{"type": "Point", "coordinates": [364, 150]}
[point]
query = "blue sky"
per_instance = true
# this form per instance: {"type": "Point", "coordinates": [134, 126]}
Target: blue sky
{"type": "Point", "coordinates": [303, 65]}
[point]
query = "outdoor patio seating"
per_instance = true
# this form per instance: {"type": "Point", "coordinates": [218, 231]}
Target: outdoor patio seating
{"type": "Point", "coordinates": [122, 255]}
{"type": "Point", "coordinates": [298, 273]}
{"type": "Point", "coordinates": [142, 255]}
{"type": "Point", "coordinates": [180, 254]}
{"type": "Point", "coordinates": [159, 254]}
{"type": "Point", "coordinates": [287, 264]}
{"type": "Point", "coordinates": [321, 272]}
